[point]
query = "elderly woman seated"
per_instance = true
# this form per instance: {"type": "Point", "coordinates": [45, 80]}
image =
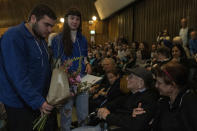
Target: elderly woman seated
{"type": "Point", "coordinates": [177, 111]}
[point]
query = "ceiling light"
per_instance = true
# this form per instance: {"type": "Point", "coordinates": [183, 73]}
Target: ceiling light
{"type": "Point", "coordinates": [94, 18]}
{"type": "Point", "coordinates": [62, 20]}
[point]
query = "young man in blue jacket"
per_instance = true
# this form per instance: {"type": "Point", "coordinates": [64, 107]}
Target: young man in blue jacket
{"type": "Point", "coordinates": [25, 69]}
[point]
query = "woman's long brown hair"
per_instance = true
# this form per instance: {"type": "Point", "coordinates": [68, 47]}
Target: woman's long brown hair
{"type": "Point", "coordinates": [66, 34]}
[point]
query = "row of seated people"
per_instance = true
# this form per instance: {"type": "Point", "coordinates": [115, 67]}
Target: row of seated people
{"type": "Point", "coordinates": [163, 104]}
{"type": "Point", "coordinates": [132, 58]}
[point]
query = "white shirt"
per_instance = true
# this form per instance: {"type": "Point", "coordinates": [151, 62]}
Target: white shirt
{"type": "Point", "coordinates": [183, 34]}
{"type": "Point", "coordinates": [73, 35]}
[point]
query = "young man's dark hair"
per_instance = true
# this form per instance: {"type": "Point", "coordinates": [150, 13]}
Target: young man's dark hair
{"type": "Point", "coordinates": [40, 10]}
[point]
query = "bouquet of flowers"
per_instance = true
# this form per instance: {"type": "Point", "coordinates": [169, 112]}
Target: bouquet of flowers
{"type": "Point", "coordinates": [83, 87]}
{"type": "Point", "coordinates": [74, 78]}
{"type": "Point", "coordinates": [73, 81]}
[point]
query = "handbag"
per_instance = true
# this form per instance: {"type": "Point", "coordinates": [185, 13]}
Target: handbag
{"type": "Point", "coordinates": [59, 90]}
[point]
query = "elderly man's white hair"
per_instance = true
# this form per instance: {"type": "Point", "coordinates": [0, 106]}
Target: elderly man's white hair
{"type": "Point", "coordinates": [177, 39]}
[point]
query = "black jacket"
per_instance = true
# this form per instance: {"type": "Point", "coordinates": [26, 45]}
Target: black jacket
{"type": "Point", "coordinates": [122, 108]}
{"type": "Point", "coordinates": [180, 116]}
{"type": "Point", "coordinates": [113, 92]}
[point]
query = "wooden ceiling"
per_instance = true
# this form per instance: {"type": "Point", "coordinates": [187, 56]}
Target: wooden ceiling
{"type": "Point", "coordinates": [13, 12]}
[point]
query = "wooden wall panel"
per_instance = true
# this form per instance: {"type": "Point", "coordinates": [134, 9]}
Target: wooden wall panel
{"type": "Point", "coordinates": [152, 16]}
{"type": "Point", "coordinates": [14, 12]}
{"type": "Point", "coordinates": [143, 20]}
{"type": "Point", "coordinates": [140, 21]}
{"type": "Point", "coordinates": [101, 32]}
{"type": "Point", "coordinates": [2, 30]}
{"type": "Point", "coordinates": [121, 25]}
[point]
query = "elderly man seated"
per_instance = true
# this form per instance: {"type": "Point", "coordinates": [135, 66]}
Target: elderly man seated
{"type": "Point", "coordinates": [119, 112]}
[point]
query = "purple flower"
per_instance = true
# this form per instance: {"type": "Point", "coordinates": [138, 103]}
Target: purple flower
{"type": "Point", "coordinates": [78, 78]}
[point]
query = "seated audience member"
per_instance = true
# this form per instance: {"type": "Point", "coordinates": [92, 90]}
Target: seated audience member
{"type": "Point", "coordinates": [164, 35]}
{"type": "Point", "coordinates": [178, 113]}
{"type": "Point", "coordinates": [177, 40]}
{"type": "Point", "coordinates": [130, 62]}
{"type": "Point", "coordinates": [142, 54]}
{"type": "Point", "coordinates": [108, 94]}
{"type": "Point", "coordinates": [121, 53]}
{"type": "Point", "coordinates": [193, 43]}
{"type": "Point", "coordinates": [163, 54]}
{"type": "Point", "coordinates": [178, 53]}
{"type": "Point", "coordinates": [153, 59]}
{"type": "Point", "coordinates": [134, 46]}
{"type": "Point", "coordinates": [163, 57]}
{"type": "Point", "coordinates": [153, 51]}
{"type": "Point", "coordinates": [194, 78]}
{"type": "Point", "coordinates": [164, 39]}
{"type": "Point", "coordinates": [118, 111]}
{"type": "Point", "coordinates": [108, 64]}
{"type": "Point", "coordinates": [96, 65]}
{"type": "Point", "coordinates": [91, 58]}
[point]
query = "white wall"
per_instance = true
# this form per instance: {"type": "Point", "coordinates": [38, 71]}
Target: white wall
{"type": "Point", "coordinates": [105, 8]}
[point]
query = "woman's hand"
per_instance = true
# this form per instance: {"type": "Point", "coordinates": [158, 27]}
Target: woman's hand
{"type": "Point", "coordinates": [96, 96]}
{"type": "Point", "coordinates": [102, 92]}
{"type": "Point", "coordinates": [103, 113]}
{"type": "Point", "coordinates": [88, 69]}
{"type": "Point", "coordinates": [93, 89]}
{"type": "Point", "coordinates": [138, 111]}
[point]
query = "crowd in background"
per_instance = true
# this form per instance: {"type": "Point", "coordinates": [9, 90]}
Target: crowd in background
{"type": "Point", "coordinates": [135, 54]}
{"type": "Point", "coordinates": [113, 60]}
{"type": "Point", "coordinates": [121, 62]}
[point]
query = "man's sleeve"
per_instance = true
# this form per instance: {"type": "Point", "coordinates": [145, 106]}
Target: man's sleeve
{"type": "Point", "coordinates": [16, 67]}
{"type": "Point", "coordinates": [189, 110]}
{"type": "Point", "coordinates": [116, 103]}
{"type": "Point", "coordinates": [125, 120]}
{"type": "Point", "coordinates": [191, 47]}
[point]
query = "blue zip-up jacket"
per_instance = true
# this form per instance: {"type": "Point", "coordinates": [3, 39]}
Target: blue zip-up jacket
{"type": "Point", "coordinates": [24, 69]}
{"type": "Point", "coordinates": [193, 46]}
{"type": "Point", "coordinates": [79, 47]}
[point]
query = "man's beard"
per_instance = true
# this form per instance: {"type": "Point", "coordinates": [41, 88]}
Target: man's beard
{"type": "Point", "coordinates": [35, 30]}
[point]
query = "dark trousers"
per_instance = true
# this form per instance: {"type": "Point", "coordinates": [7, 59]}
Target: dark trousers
{"type": "Point", "coordinates": [20, 119]}
{"type": "Point", "coordinates": [51, 124]}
